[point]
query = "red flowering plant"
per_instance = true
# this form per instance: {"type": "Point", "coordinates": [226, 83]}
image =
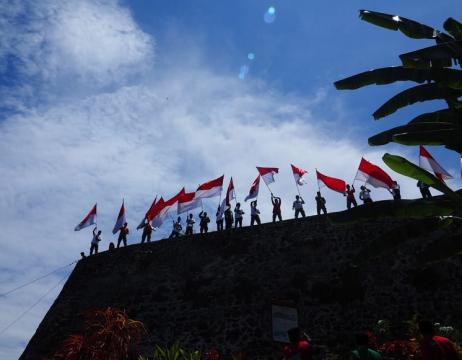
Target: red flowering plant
{"type": "Point", "coordinates": [213, 354]}
{"type": "Point", "coordinates": [399, 349]}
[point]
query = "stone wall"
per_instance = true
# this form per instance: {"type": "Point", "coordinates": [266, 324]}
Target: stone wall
{"type": "Point", "coordinates": [216, 290]}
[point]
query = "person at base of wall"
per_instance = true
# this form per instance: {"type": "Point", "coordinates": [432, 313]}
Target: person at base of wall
{"type": "Point", "coordinates": [254, 213]}
{"type": "Point", "coordinates": [94, 242]}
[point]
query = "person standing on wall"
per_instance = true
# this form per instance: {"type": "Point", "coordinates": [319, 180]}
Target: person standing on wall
{"type": "Point", "coordinates": [176, 231]}
{"type": "Point", "coordinates": [350, 196]}
{"type": "Point", "coordinates": [147, 231]}
{"type": "Point", "coordinates": [365, 195]}
{"type": "Point", "coordinates": [395, 191]}
{"type": "Point", "coordinates": [424, 190]}
{"type": "Point", "coordinates": [94, 242]}
{"type": "Point", "coordinates": [276, 201]}
{"type": "Point", "coordinates": [189, 225]}
{"type": "Point", "coordinates": [204, 223]}
{"type": "Point", "coordinates": [254, 213]}
{"type": "Point", "coordinates": [219, 219]}
{"type": "Point", "coordinates": [320, 203]}
{"type": "Point", "coordinates": [123, 232]}
{"type": "Point", "coordinates": [298, 206]}
{"type": "Point", "coordinates": [229, 219]}
{"type": "Point", "coordinates": [238, 215]}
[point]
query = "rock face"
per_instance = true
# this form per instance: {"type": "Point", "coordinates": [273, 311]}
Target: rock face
{"type": "Point", "coordinates": [216, 290]}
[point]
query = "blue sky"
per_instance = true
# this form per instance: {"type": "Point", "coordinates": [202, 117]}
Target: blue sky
{"type": "Point", "coordinates": [104, 100]}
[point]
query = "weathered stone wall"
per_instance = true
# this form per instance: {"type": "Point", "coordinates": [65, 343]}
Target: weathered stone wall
{"type": "Point", "coordinates": [216, 290]}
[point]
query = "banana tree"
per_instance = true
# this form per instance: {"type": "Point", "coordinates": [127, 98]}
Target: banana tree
{"type": "Point", "coordinates": [435, 69]}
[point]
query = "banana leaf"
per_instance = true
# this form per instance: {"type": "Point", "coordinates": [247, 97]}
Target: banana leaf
{"type": "Point", "coordinates": [448, 77]}
{"type": "Point", "coordinates": [408, 27]}
{"type": "Point", "coordinates": [454, 28]}
{"type": "Point", "coordinates": [416, 94]}
{"type": "Point", "coordinates": [450, 138]}
{"type": "Point", "coordinates": [388, 136]}
{"type": "Point", "coordinates": [437, 56]}
{"type": "Point", "coordinates": [406, 168]}
{"type": "Point", "coordinates": [444, 116]}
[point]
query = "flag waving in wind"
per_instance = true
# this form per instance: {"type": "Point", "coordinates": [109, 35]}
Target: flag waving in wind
{"type": "Point", "coordinates": [148, 215]}
{"type": "Point", "coordinates": [332, 183]}
{"type": "Point", "coordinates": [427, 162]}
{"type": "Point", "coordinates": [188, 202]}
{"type": "Point", "coordinates": [267, 174]}
{"type": "Point", "coordinates": [210, 189]}
{"type": "Point", "coordinates": [120, 219]}
{"type": "Point", "coordinates": [253, 192]}
{"type": "Point", "coordinates": [372, 174]}
{"type": "Point", "coordinates": [89, 219]}
{"type": "Point", "coordinates": [230, 195]}
{"type": "Point", "coordinates": [299, 175]}
{"type": "Point", "coordinates": [164, 208]}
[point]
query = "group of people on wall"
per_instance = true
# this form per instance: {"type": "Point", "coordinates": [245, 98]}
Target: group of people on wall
{"type": "Point", "coordinates": [234, 218]}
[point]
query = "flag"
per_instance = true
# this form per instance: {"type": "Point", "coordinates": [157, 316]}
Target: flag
{"type": "Point", "coordinates": [332, 183]}
{"type": "Point", "coordinates": [89, 219]}
{"type": "Point", "coordinates": [210, 189]}
{"type": "Point", "coordinates": [148, 214]}
{"type": "Point", "coordinates": [163, 210]}
{"type": "Point", "coordinates": [253, 192]}
{"type": "Point", "coordinates": [230, 194]}
{"type": "Point", "coordinates": [427, 162]}
{"type": "Point", "coordinates": [188, 202]}
{"type": "Point", "coordinates": [299, 175]}
{"type": "Point", "coordinates": [120, 219]}
{"type": "Point", "coordinates": [372, 174]}
{"type": "Point", "coordinates": [223, 207]}
{"type": "Point", "coordinates": [267, 174]}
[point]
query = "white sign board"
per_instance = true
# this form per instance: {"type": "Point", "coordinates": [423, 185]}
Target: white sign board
{"type": "Point", "coordinates": [284, 318]}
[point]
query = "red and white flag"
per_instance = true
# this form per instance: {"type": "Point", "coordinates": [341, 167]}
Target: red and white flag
{"type": "Point", "coordinates": [88, 220]}
{"type": "Point", "coordinates": [267, 174]}
{"type": "Point", "coordinates": [188, 202]}
{"type": "Point", "coordinates": [230, 194]}
{"type": "Point", "coordinates": [299, 175]}
{"type": "Point", "coordinates": [120, 219]}
{"type": "Point", "coordinates": [147, 216]}
{"type": "Point", "coordinates": [372, 174]}
{"type": "Point", "coordinates": [332, 183]}
{"type": "Point", "coordinates": [210, 189]}
{"type": "Point", "coordinates": [253, 193]}
{"type": "Point", "coordinates": [427, 162]}
{"type": "Point", "coordinates": [162, 213]}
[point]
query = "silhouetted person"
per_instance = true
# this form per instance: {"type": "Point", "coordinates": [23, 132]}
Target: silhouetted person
{"type": "Point", "coordinates": [82, 254]}
{"type": "Point", "coordinates": [298, 206]}
{"type": "Point", "coordinates": [111, 246]}
{"type": "Point", "coordinates": [94, 242]}
{"type": "Point", "coordinates": [363, 351]}
{"type": "Point", "coordinates": [238, 214]}
{"type": "Point", "coordinates": [350, 196]}
{"type": "Point", "coordinates": [395, 191]}
{"type": "Point", "coordinates": [320, 203]}
{"type": "Point", "coordinates": [123, 232]}
{"type": "Point", "coordinates": [176, 229]}
{"type": "Point", "coordinates": [229, 218]}
{"type": "Point", "coordinates": [276, 207]}
{"type": "Point", "coordinates": [424, 190]}
{"type": "Point", "coordinates": [147, 231]}
{"type": "Point", "coordinates": [299, 348]}
{"type": "Point", "coordinates": [189, 225]}
{"type": "Point", "coordinates": [254, 214]}
{"type": "Point", "coordinates": [365, 195]}
{"type": "Point", "coordinates": [219, 218]}
{"type": "Point", "coordinates": [204, 223]}
{"type": "Point", "coordinates": [434, 347]}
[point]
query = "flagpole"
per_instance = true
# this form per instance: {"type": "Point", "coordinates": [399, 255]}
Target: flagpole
{"type": "Point", "coordinates": [317, 180]}
{"type": "Point", "coordinates": [267, 186]}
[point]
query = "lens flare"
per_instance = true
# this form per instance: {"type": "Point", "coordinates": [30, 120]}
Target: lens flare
{"type": "Point", "coordinates": [251, 56]}
{"type": "Point", "coordinates": [243, 72]}
{"type": "Point", "coordinates": [270, 15]}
